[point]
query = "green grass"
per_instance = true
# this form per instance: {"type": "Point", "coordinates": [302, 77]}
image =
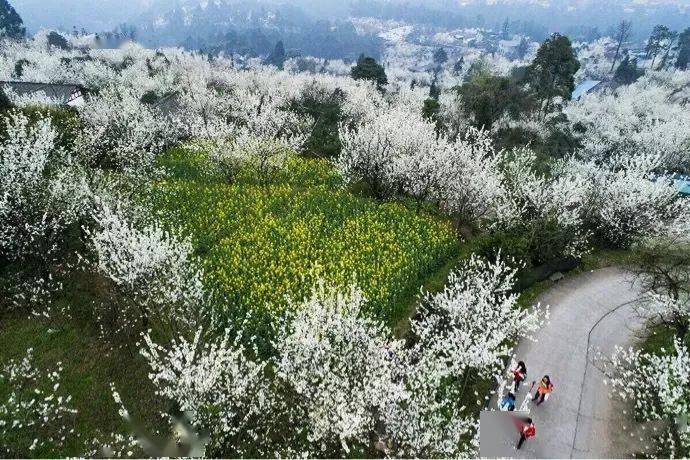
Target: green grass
{"type": "Point", "coordinates": [89, 368]}
{"type": "Point", "coordinates": [264, 242]}
{"type": "Point", "coordinates": [259, 241]}
{"type": "Point", "coordinates": [604, 258]}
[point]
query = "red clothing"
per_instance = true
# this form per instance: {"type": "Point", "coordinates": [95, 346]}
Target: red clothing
{"type": "Point", "coordinates": [518, 375]}
{"type": "Point", "coordinates": [529, 431]}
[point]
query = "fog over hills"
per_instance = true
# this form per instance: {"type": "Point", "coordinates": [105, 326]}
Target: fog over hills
{"type": "Point", "coordinates": [194, 21]}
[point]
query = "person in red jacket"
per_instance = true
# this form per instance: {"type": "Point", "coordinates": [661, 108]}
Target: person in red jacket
{"type": "Point", "coordinates": [519, 374]}
{"type": "Point", "coordinates": [527, 431]}
{"type": "Point", "coordinates": [543, 390]}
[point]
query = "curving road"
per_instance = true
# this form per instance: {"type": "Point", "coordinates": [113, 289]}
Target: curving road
{"type": "Point", "coordinates": [590, 313]}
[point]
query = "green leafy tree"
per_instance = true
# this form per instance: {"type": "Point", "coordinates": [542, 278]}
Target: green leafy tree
{"type": "Point", "coordinates": [11, 24]}
{"type": "Point", "coordinates": [683, 58]}
{"type": "Point", "coordinates": [5, 103]}
{"type": "Point", "coordinates": [486, 98]}
{"type": "Point", "coordinates": [58, 41]}
{"type": "Point", "coordinates": [432, 111]}
{"type": "Point", "coordinates": [19, 68]}
{"type": "Point", "coordinates": [368, 69]}
{"type": "Point", "coordinates": [326, 110]}
{"type": "Point", "coordinates": [522, 48]}
{"type": "Point", "coordinates": [627, 72]}
{"type": "Point", "coordinates": [478, 68]}
{"type": "Point", "coordinates": [458, 66]}
{"type": "Point", "coordinates": [440, 56]}
{"type": "Point", "coordinates": [278, 56]}
{"type": "Point", "coordinates": [657, 42]}
{"type": "Point", "coordinates": [552, 73]}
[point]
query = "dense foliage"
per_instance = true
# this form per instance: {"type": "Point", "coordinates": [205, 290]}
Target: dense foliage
{"type": "Point", "coordinates": [176, 205]}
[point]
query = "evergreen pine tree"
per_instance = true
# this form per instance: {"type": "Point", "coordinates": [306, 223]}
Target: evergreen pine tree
{"type": "Point", "coordinates": [368, 69]}
{"type": "Point", "coordinates": [552, 73]}
{"type": "Point", "coordinates": [627, 72]}
{"type": "Point", "coordinates": [277, 57]}
{"type": "Point", "coordinates": [683, 58]}
{"type": "Point", "coordinates": [11, 24]}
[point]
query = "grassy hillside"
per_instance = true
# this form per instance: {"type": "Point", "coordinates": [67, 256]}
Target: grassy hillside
{"type": "Point", "coordinates": [260, 243]}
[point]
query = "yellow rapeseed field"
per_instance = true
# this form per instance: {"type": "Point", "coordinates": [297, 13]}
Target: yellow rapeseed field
{"type": "Point", "coordinates": [261, 244]}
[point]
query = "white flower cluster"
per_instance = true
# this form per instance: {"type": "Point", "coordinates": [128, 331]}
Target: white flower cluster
{"type": "Point", "coordinates": [41, 191]}
{"type": "Point", "coordinates": [155, 268]}
{"type": "Point", "coordinates": [216, 383]}
{"type": "Point", "coordinates": [469, 323]}
{"type": "Point", "coordinates": [339, 366]}
{"type": "Point", "coordinates": [624, 199]}
{"type": "Point", "coordinates": [535, 197]}
{"type": "Point", "coordinates": [341, 380]}
{"type": "Point", "coordinates": [649, 117]}
{"type": "Point", "coordinates": [120, 131]}
{"type": "Point", "coordinates": [659, 386]}
{"type": "Point", "coordinates": [34, 410]}
{"type": "Point", "coordinates": [397, 151]}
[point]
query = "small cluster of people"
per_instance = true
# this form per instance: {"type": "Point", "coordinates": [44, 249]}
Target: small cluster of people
{"type": "Point", "coordinates": [507, 403]}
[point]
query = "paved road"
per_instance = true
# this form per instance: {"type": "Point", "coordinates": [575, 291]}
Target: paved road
{"type": "Point", "coordinates": [589, 313]}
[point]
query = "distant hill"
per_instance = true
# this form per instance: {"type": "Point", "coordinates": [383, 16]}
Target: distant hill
{"type": "Point", "coordinates": [253, 27]}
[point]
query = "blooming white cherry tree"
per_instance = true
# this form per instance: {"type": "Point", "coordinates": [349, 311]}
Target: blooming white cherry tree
{"type": "Point", "coordinates": [532, 198]}
{"type": "Point", "coordinates": [341, 366]}
{"type": "Point", "coordinates": [463, 330]}
{"type": "Point", "coordinates": [659, 387]}
{"type": "Point", "coordinates": [649, 117]}
{"type": "Point", "coordinates": [625, 199]}
{"type": "Point", "coordinates": [469, 324]}
{"type": "Point", "coordinates": [121, 132]}
{"type": "Point", "coordinates": [215, 382]}
{"type": "Point", "coordinates": [41, 192]}
{"type": "Point", "coordinates": [400, 152]}
{"type": "Point", "coordinates": [469, 184]}
{"type": "Point", "coordinates": [155, 268]}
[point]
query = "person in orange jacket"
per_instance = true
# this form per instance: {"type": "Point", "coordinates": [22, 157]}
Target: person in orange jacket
{"type": "Point", "coordinates": [527, 431]}
{"type": "Point", "coordinates": [543, 390]}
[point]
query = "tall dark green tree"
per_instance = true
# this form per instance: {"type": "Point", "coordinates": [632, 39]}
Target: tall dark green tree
{"type": "Point", "coordinates": [627, 72]}
{"type": "Point", "coordinates": [11, 24]}
{"type": "Point", "coordinates": [486, 98]}
{"type": "Point", "coordinates": [4, 101]}
{"type": "Point", "coordinates": [522, 48]}
{"type": "Point", "coordinates": [277, 57]}
{"type": "Point", "coordinates": [459, 64]}
{"type": "Point", "coordinates": [368, 69]}
{"type": "Point", "coordinates": [552, 73]}
{"type": "Point", "coordinates": [440, 56]}
{"type": "Point", "coordinates": [622, 35]}
{"type": "Point", "coordinates": [58, 41]}
{"type": "Point", "coordinates": [656, 42]}
{"type": "Point", "coordinates": [683, 58]}
{"type": "Point", "coordinates": [666, 48]}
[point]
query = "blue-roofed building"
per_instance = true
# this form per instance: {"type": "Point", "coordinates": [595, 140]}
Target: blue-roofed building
{"type": "Point", "coordinates": [584, 88]}
{"type": "Point", "coordinates": [682, 183]}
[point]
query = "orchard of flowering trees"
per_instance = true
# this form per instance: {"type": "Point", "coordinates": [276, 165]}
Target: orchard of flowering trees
{"type": "Point", "coordinates": [331, 379]}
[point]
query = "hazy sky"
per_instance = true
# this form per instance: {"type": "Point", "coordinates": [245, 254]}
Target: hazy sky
{"type": "Point", "coordinates": [98, 15]}
{"type": "Point", "coordinates": [94, 14]}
